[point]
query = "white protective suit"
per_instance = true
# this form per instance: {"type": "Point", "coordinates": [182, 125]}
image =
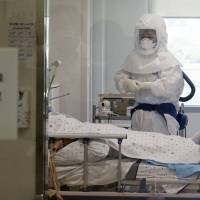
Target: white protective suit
{"type": "Point", "coordinates": [153, 76]}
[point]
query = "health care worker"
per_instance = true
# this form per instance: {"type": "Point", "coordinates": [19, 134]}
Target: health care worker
{"type": "Point", "coordinates": [153, 75]}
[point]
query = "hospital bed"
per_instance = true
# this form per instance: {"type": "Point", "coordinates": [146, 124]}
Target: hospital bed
{"type": "Point", "coordinates": [125, 172]}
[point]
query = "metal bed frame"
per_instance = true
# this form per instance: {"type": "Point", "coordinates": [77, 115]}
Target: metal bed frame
{"type": "Point", "coordinates": [121, 184]}
{"type": "Point", "coordinates": [85, 139]}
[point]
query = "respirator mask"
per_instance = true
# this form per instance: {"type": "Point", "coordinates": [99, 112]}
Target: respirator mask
{"type": "Point", "coordinates": [147, 44]}
{"type": "Point", "coordinates": [147, 41]}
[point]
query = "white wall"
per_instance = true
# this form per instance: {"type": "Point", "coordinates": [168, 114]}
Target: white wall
{"type": "Point", "coordinates": [65, 45]}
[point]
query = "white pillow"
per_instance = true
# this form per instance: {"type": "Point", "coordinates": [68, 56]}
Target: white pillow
{"type": "Point", "coordinates": [73, 153]}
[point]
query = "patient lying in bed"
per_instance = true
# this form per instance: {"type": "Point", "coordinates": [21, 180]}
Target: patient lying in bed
{"type": "Point", "coordinates": [141, 145]}
{"type": "Point", "coordinates": [156, 148]}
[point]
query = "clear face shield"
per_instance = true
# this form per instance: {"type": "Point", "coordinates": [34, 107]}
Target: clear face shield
{"type": "Point", "coordinates": [146, 41]}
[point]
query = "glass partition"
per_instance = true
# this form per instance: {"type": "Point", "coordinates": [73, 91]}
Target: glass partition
{"type": "Point", "coordinates": [94, 148]}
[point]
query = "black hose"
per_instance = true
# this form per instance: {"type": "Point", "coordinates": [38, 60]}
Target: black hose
{"type": "Point", "coordinates": [192, 87]}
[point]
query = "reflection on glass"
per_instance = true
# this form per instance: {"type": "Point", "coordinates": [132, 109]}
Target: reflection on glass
{"type": "Point", "coordinates": [106, 155]}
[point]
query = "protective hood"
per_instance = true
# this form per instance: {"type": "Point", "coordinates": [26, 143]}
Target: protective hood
{"type": "Point", "coordinates": [141, 62]}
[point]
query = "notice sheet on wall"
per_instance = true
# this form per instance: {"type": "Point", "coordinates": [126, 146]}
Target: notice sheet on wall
{"type": "Point", "coordinates": [22, 36]}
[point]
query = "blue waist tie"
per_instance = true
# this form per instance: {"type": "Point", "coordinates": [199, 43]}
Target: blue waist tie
{"type": "Point", "coordinates": [163, 108]}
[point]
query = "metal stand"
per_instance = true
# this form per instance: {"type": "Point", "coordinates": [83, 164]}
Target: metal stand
{"type": "Point", "coordinates": [85, 165]}
{"type": "Point", "coordinates": [119, 189]}
{"type": "Point", "coordinates": [182, 133]}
